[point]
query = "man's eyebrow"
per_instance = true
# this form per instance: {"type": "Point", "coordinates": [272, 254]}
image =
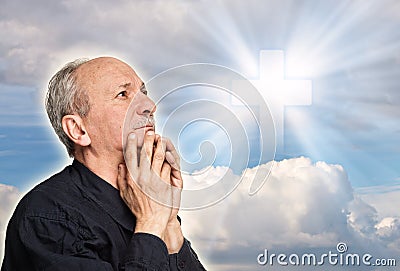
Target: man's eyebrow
{"type": "Point", "coordinates": [126, 85]}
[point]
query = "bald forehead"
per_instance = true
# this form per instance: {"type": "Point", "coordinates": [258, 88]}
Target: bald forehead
{"type": "Point", "coordinates": [101, 63]}
{"type": "Point", "coordinates": [102, 69]}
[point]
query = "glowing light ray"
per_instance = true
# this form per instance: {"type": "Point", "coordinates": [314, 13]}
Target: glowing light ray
{"type": "Point", "coordinates": [334, 41]}
{"type": "Point", "coordinates": [314, 47]}
{"type": "Point", "coordinates": [226, 34]}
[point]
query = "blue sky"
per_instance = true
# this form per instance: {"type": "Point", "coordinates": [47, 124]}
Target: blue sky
{"type": "Point", "coordinates": [350, 50]}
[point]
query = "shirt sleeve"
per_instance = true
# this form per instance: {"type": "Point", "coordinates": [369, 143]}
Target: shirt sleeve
{"type": "Point", "coordinates": [47, 242]}
{"type": "Point", "coordinates": [146, 252]}
{"type": "Point", "coordinates": [51, 243]}
{"type": "Point", "coordinates": [185, 259]}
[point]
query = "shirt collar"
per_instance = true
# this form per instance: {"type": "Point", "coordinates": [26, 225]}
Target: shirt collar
{"type": "Point", "coordinates": [105, 195]}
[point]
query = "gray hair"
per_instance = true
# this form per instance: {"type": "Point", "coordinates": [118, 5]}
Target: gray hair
{"type": "Point", "coordinates": [64, 97]}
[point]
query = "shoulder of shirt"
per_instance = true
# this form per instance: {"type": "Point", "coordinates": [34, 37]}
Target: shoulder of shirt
{"type": "Point", "coordinates": [50, 194]}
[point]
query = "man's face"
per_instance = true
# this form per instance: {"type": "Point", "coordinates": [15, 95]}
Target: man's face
{"type": "Point", "coordinates": [112, 86]}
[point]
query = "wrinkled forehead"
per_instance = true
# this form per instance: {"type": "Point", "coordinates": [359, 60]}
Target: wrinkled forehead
{"type": "Point", "coordinates": [106, 73]}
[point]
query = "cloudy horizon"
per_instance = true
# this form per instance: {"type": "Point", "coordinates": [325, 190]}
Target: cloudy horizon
{"type": "Point", "coordinates": [287, 215]}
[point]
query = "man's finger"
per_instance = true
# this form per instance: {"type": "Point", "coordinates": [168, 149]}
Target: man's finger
{"type": "Point", "coordinates": [166, 173]}
{"type": "Point", "coordinates": [177, 181]}
{"type": "Point", "coordinates": [147, 150]}
{"type": "Point", "coordinates": [173, 156]}
{"type": "Point", "coordinates": [170, 159]}
{"type": "Point", "coordinates": [121, 178]}
{"type": "Point", "coordinates": [173, 159]}
{"type": "Point", "coordinates": [176, 197]}
{"type": "Point", "coordinates": [131, 153]}
{"type": "Point", "coordinates": [159, 156]}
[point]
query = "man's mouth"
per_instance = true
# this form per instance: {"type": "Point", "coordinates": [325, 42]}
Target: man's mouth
{"type": "Point", "coordinates": [146, 127]}
{"type": "Point", "coordinates": [146, 124]}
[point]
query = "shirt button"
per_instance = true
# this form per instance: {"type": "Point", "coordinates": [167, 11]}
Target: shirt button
{"type": "Point", "coordinates": [181, 264]}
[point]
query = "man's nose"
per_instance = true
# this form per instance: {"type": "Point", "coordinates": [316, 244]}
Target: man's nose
{"type": "Point", "coordinates": [146, 106]}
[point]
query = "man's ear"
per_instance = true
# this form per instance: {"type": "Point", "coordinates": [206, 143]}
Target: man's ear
{"type": "Point", "coordinates": [75, 129]}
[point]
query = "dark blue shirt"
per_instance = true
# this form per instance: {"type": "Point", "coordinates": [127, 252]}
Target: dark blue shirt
{"type": "Point", "coordinates": [77, 221]}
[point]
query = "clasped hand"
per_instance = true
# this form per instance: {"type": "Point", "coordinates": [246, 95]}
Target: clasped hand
{"type": "Point", "coordinates": [152, 189]}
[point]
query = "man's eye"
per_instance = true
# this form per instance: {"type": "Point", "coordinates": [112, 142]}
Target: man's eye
{"type": "Point", "coordinates": [122, 94]}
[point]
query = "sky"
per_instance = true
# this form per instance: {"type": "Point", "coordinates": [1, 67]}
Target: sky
{"type": "Point", "coordinates": [335, 175]}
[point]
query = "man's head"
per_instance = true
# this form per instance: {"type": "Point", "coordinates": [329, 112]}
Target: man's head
{"type": "Point", "coordinates": [87, 101]}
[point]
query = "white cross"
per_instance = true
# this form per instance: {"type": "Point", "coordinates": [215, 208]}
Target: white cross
{"type": "Point", "coordinates": [278, 92]}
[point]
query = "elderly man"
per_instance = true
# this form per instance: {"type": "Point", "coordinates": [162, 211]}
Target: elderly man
{"type": "Point", "coordinates": [94, 215]}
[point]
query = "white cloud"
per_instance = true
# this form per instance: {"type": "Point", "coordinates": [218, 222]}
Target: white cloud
{"type": "Point", "coordinates": [9, 196]}
{"type": "Point", "coordinates": [204, 178]}
{"type": "Point", "coordinates": [39, 41]}
{"type": "Point", "coordinates": [385, 199]}
{"type": "Point", "coordinates": [302, 206]}
{"type": "Point", "coordinates": [389, 228]}
{"type": "Point", "coordinates": [24, 52]}
{"type": "Point", "coordinates": [383, 202]}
